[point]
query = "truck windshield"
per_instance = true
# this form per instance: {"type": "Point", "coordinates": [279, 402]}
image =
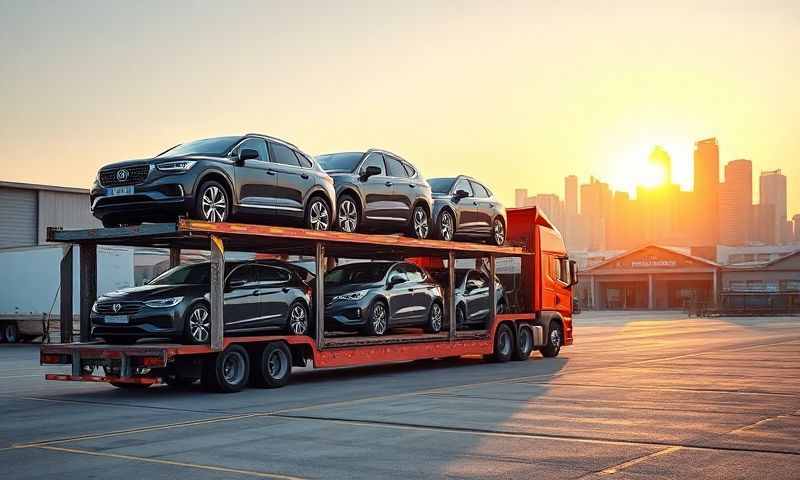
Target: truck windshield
{"type": "Point", "coordinates": [196, 274]}
{"type": "Point", "coordinates": [341, 162]}
{"type": "Point", "coordinates": [208, 146]}
{"type": "Point", "coordinates": [364, 272]}
{"type": "Point", "coordinates": [441, 185]}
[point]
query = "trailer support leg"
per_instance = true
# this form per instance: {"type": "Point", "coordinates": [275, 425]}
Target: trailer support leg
{"type": "Point", "coordinates": [319, 294]}
{"type": "Point", "coordinates": [451, 293]}
{"type": "Point", "coordinates": [65, 311]}
{"type": "Point", "coordinates": [88, 283]}
{"type": "Point", "coordinates": [217, 293]}
{"type": "Point", "coordinates": [174, 257]}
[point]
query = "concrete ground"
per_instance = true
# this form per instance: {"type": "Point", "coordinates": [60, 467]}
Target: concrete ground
{"type": "Point", "coordinates": [640, 395]}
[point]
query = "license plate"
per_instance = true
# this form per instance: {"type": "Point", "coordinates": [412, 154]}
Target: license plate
{"type": "Point", "coordinates": [117, 191]}
{"type": "Point", "coordinates": [118, 319]}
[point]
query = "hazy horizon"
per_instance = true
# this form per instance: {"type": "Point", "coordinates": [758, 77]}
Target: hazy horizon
{"type": "Point", "coordinates": [519, 95]}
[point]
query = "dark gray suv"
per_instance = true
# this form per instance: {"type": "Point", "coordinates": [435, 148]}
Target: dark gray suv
{"type": "Point", "coordinates": [216, 179]}
{"type": "Point", "coordinates": [378, 190]}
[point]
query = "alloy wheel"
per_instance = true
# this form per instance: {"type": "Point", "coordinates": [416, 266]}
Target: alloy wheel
{"type": "Point", "coordinates": [348, 216]}
{"type": "Point", "coordinates": [446, 223]}
{"type": "Point", "coordinates": [421, 226]}
{"type": "Point", "coordinates": [298, 320]}
{"type": "Point", "coordinates": [555, 338]}
{"type": "Point", "coordinates": [436, 318]}
{"type": "Point", "coordinates": [214, 204]}
{"type": "Point", "coordinates": [199, 324]}
{"type": "Point", "coordinates": [379, 319]}
{"type": "Point", "coordinates": [499, 232]}
{"type": "Point", "coordinates": [318, 217]}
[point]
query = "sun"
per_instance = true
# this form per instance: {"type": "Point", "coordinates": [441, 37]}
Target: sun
{"type": "Point", "coordinates": [649, 175]}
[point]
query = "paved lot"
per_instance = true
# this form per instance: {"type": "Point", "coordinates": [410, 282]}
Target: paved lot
{"type": "Point", "coordinates": [638, 396]}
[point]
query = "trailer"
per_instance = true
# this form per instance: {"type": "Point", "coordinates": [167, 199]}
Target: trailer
{"type": "Point", "coordinates": [541, 317]}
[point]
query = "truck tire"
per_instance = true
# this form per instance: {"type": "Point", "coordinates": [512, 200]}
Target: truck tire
{"type": "Point", "coordinates": [10, 332]}
{"type": "Point", "coordinates": [227, 371]}
{"type": "Point", "coordinates": [555, 337]}
{"type": "Point", "coordinates": [524, 343]}
{"type": "Point", "coordinates": [272, 366]}
{"type": "Point", "coordinates": [503, 344]}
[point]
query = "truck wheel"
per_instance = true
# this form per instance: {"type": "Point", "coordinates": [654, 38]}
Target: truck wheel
{"type": "Point", "coordinates": [503, 344]}
{"type": "Point", "coordinates": [435, 318]}
{"type": "Point", "coordinates": [378, 321]}
{"type": "Point", "coordinates": [554, 340]}
{"type": "Point", "coordinates": [524, 345]}
{"type": "Point", "coordinates": [272, 366]}
{"type": "Point", "coordinates": [227, 371]}
{"type": "Point", "coordinates": [10, 332]}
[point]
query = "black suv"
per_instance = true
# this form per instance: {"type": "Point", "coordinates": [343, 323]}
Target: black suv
{"type": "Point", "coordinates": [377, 189]}
{"type": "Point", "coordinates": [214, 180]}
{"type": "Point", "coordinates": [259, 295]}
{"type": "Point", "coordinates": [464, 207]}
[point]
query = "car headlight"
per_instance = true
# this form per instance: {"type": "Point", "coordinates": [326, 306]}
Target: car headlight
{"type": "Point", "coordinates": [164, 302]}
{"type": "Point", "coordinates": [176, 166]}
{"type": "Point", "coordinates": [352, 296]}
{"type": "Point", "coordinates": [94, 307]}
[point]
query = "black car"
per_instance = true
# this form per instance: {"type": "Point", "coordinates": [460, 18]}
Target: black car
{"type": "Point", "coordinates": [217, 179]}
{"type": "Point", "coordinates": [472, 297]}
{"type": "Point", "coordinates": [378, 190]}
{"type": "Point", "coordinates": [466, 208]}
{"type": "Point", "coordinates": [259, 295]}
{"type": "Point", "coordinates": [376, 296]}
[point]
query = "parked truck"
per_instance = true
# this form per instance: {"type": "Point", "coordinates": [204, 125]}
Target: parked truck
{"type": "Point", "coordinates": [539, 316]}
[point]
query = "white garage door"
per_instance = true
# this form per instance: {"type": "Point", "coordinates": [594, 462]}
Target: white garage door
{"type": "Point", "coordinates": [17, 217]}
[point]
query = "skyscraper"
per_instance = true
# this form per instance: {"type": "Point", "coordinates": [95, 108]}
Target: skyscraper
{"type": "Point", "coordinates": [595, 208]}
{"type": "Point", "coordinates": [571, 195]}
{"type": "Point", "coordinates": [772, 191]}
{"type": "Point", "coordinates": [706, 191]}
{"type": "Point", "coordinates": [735, 203]}
{"type": "Point", "coordinates": [796, 221]}
{"type": "Point", "coordinates": [661, 158]}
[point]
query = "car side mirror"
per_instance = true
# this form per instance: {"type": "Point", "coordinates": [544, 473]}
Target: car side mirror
{"type": "Point", "coordinates": [396, 279]}
{"type": "Point", "coordinates": [573, 273]}
{"type": "Point", "coordinates": [247, 154]}
{"type": "Point", "coordinates": [471, 285]}
{"type": "Point", "coordinates": [461, 194]}
{"type": "Point", "coordinates": [372, 170]}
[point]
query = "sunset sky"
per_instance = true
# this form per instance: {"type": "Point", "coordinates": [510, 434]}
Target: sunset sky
{"type": "Point", "coordinates": [517, 94]}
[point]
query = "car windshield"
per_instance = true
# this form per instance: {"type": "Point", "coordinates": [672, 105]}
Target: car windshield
{"type": "Point", "coordinates": [196, 274]}
{"type": "Point", "coordinates": [208, 146]}
{"type": "Point", "coordinates": [441, 185]}
{"type": "Point", "coordinates": [364, 272]}
{"type": "Point", "coordinates": [343, 162]}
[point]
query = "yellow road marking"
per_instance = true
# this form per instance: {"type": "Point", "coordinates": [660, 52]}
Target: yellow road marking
{"type": "Point", "coordinates": [213, 468]}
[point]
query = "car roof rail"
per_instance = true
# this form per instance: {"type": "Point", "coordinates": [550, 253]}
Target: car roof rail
{"type": "Point", "coordinates": [272, 138]}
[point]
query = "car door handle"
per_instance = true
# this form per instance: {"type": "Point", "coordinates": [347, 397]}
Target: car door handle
{"type": "Point", "coordinates": [285, 290]}
{"type": "Point", "coordinates": [270, 172]}
{"type": "Point", "coordinates": [388, 184]}
{"type": "Point", "coordinates": [256, 293]}
{"type": "Point", "coordinates": [304, 176]}
{"type": "Point", "coordinates": [475, 203]}
{"type": "Point", "coordinates": [411, 185]}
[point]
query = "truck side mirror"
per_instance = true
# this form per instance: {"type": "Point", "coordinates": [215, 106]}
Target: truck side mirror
{"type": "Point", "coordinates": [573, 273]}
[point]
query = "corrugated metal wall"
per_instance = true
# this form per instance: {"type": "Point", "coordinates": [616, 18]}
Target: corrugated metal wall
{"type": "Point", "coordinates": [18, 217]}
{"type": "Point", "coordinates": [64, 209]}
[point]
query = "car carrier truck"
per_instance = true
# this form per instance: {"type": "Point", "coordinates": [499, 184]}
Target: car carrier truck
{"type": "Point", "coordinates": [539, 315]}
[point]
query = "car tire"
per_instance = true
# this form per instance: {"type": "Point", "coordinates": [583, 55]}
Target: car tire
{"type": "Point", "coordinates": [501, 307]}
{"type": "Point", "coordinates": [524, 344]}
{"type": "Point", "coordinates": [420, 223]}
{"type": "Point", "coordinates": [461, 317]}
{"type": "Point", "coordinates": [197, 324]}
{"type": "Point", "coordinates": [298, 321]}
{"type": "Point", "coordinates": [498, 235]}
{"type": "Point", "coordinates": [446, 225]}
{"type": "Point", "coordinates": [272, 366]}
{"type": "Point", "coordinates": [318, 214]}
{"type": "Point", "coordinates": [503, 344]}
{"type": "Point", "coordinates": [435, 318]}
{"type": "Point", "coordinates": [348, 215]}
{"type": "Point", "coordinates": [555, 338]}
{"type": "Point", "coordinates": [212, 202]}
{"type": "Point", "coordinates": [228, 371]}
{"type": "Point", "coordinates": [378, 320]}
{"type": "Point", "coordinates": [10, 332]}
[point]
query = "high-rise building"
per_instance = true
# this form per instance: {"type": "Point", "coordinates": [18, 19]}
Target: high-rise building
{"type": "Point", "coordinates": [763, 223]}
{"type": "Point", "coordinates": [735, 203]}
{"type": "Point", "coordinates": [772, 191]}
{"type": "Point", "coordinates": [706, 192]}
{"type": "Point", "coordinates": [571, 195]}
{"type": "Point", "coordinates": [661, 158]}
{"type": "Point", "coordinates": [595, 208]}
{"type": "Point", "coordinates": [796, 222]}
{"type": "Point", "coordinates": [520, 197]}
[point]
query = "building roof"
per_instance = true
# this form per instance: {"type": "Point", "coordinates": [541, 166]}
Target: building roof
{"type": "Point", "coordinates": [669, 250]}
{"type": "Point", "coordinates": [763, 265]}
{"type": "Point", "coordinates": [50, 188]}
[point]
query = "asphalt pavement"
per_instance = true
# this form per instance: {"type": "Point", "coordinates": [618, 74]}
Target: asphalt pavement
{"type": "Point", "coordinates": [639, 396]}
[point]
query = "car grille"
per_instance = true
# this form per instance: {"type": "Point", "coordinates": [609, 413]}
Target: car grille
{"type": "Point", "coordinates": [125, 308]}
{"type": "Point", "coordinates": [135, 175]}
